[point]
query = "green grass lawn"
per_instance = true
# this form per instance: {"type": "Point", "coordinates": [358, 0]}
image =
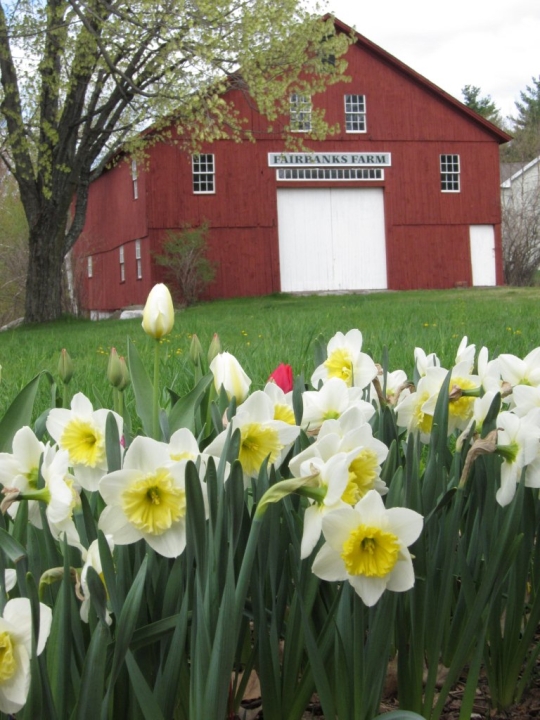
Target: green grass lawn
{"type": "Point", "coordinates": [265, 331]}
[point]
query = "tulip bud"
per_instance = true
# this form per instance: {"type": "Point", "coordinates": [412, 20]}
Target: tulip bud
{"type": "Point", "coordinates": [158, 314]}
{"type": "Point", "coordinates": [283, 377]}
{"type": "Point", "coordinates": [125, 374]}
{"type": "Point", "coordinates": [114, 371]}
{"type": "Point", "coordinates": [65, 367]}
{"type": "Point", "coordinates": [215, 348]}
{"type": "Point", "coordinates": [228, 373]}
{"type": "Point", "coordinates": [195, 351]}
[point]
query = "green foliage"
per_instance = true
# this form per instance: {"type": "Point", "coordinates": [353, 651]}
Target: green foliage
{"type": "Point", "coordinates": [525, 145]}
{"type": "Point", "coordinates": [13, 249]}
{"type": "Point", "coordinates": [240, 597]}
{"type": "Point", "coordinates": [80, 81]}
{"type": "Point", "coordinates": [482, 105]}
{"type": "Point", "coordinates": [184, 258]}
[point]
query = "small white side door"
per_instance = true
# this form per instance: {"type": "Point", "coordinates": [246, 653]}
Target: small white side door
{"type": "Point", "coordinates": [482, 240]}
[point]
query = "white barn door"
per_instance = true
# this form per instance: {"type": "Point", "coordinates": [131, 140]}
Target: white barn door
{"type": "Point", "coordinates": [482, 239]}
{"type": "Point", "coordinates": [331, 239]}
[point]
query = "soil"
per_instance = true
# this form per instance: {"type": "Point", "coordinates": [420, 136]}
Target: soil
{"type": "Point", "coordinates": [527, 709]}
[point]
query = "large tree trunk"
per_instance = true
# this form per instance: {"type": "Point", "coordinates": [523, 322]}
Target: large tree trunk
{"type": "Point", "coordinates": [44, 279]}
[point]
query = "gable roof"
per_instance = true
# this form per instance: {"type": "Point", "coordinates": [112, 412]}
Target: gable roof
{"type": "Point", "coordinates": [499, 135]}
{"type": "Point", "coordinates": [522, 170]}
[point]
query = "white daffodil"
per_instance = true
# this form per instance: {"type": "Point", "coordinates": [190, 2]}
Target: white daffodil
{"type": "Point", "coordinates": [411, 412]}
{"type": "Point", "coordinates": [346, 362]}
{"type": "Point", "coordinates": [367, 545]}
{"type": "Point", "coordinates": [349, 434]}
{"type": "Point", "coordinates": [460, 406]}
{"type": "Point", "coordinates": [518, 443]}
{"type": "Point", "coordinates": [481, 408]}
{"type": "Point", "coordinates": [81, 431]}
{"type": "Point", "coordinates": [521, 372]}
{"type": "Point", "coordinates": [465, 354]}
{"type": "Point", "coordinates": [158, 313]}
{"type": "Point", "coordinates": [282, 401]}
{"type": "Point", "coordinates": [183, 447]}
{"type": "Point", "coordinates": [16, 651]}
{"type": "Point", "coordinates": [146, 499]}
{"type": "Point", "coordinates": [20, 469]}
{"type": "Point", "coordinates": [229, 374]}
{"type": "Point", "coordinates": [526, 398]}
{"type": "Point", "coordinates": [93, 560]}
{"type": "Point", "coordinates": [62, 496]}
{"type": "Point", "coordinates": [330, 402]}
{"type": "Point", "coordinates": [261, 436]}
{"type": "Point", "coordinates": [330, 481]}
{"type": "Point", "coordinates": [396, 386]}
{"type": "Point", "coordinates": [489, 371]}
{"type": "Point", "coordinates": [423, 361]}
{"type": "Point", "coordinates": [10, 579]}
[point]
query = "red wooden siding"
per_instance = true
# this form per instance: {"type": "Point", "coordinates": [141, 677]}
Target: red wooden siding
{"type": "Point", "coordinates": [427, 231]}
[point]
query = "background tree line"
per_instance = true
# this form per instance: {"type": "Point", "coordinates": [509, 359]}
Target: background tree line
{"type": "Point", "coordinates": [521, 199]}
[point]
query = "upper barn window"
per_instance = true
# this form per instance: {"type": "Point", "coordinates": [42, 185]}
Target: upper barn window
{"type": "Point", "coordinates": [300, 109]}
{"type": "Point", "coordinates": [204, 174]}
{"type": "Point", "coordinates": [355, 113]}
{"type": "Point", "coordinates": [450, 173]}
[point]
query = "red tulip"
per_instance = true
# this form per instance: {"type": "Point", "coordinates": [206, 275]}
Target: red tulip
{"type": "Point", "coordinates": [283, 377]}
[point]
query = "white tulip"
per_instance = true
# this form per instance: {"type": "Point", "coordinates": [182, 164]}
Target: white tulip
{"type": "Point", "coordinates": [228, 373]}
{"type": "Point", "coordinates": [158, 314]}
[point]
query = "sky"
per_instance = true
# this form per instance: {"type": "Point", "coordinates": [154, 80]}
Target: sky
{"type": "Point", "coordinates": [493, 44]}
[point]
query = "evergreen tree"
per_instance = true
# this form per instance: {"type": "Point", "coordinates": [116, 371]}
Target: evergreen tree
{"type": "Point", "coordinates": [482, 105]}
{"type": "Point", "coordinates": [526, 126]}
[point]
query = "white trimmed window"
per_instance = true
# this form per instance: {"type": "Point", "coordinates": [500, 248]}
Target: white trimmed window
{"type": "Point", "coordinates": [450, 173]}
{"type": "Point", "coordinates": [135, 179]}
{"type": "Point", "coordinates": [122, 264]}
{"type": "Point", "coordinates": [355, 113]}
{"type": "Point", "coordinates": [300, 109]}
{"type": "Point", "coordinates": [204, 174]}
{"type": "Point", "coordinates": [138, 260]}
{"type": "Point", "coordinates": [90, 266]}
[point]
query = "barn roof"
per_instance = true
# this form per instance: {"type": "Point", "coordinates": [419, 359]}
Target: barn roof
{"type": "Point", "coordinates": [498, 134]}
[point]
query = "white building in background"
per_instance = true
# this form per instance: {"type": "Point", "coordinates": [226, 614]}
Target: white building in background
{"type": "Point", "coordinates": [520, 204]}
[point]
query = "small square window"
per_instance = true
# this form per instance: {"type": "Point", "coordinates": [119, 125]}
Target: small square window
{"type": "Point", "coordinates": [300, 110]}
{"type": "Point", "coordinates": [355, 113]}
{"type": "Point", "coordinates": [450, 171]}
{"type": "Point", "coordinates": [204, 174]}
{"type": "Point", "coordinates": [90, 266]}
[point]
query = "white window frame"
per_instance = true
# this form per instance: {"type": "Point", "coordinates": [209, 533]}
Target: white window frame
{"type": "Point", "coordinates": [355, 113]}
{"type": "Point", "coordinates": [204, 174]}
{"type": "Point", "coordinates": [450, 170]}
{"type": "Point", "coordinates": [135, 179]}
{"type": "Point", "coordinates": [138, 259]}
{"type": "Point", "coordinates": [89, 267]}
{"type": "Point", "coordinates": [121, 257]}
{"type": "Point", "coordinates": [300, 108]}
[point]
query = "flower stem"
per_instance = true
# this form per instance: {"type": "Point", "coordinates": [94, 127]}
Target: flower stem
{"type": "Point", "coordinates": [155, 413]}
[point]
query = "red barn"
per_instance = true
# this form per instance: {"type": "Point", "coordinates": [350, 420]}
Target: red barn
{"type": "Point", "coordinates": [404, 196]}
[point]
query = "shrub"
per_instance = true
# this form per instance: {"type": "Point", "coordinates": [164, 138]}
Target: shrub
{"type": "Point", "coordinates": [185, 261]}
